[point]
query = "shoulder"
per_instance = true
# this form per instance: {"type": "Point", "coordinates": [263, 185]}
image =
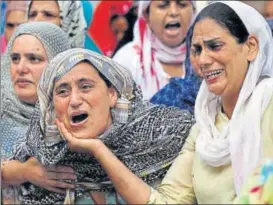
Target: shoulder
{"type": "Point", "coordinates": [125, 54]}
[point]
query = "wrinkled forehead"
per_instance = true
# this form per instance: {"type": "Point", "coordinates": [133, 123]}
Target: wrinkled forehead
{"type": "Point", "coordinates": [101, 66]}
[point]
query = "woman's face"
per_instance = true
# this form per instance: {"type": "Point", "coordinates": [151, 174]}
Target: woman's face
{"type": "Point", "coordinates": [13, 19]}
{"type": "Point", "coordinates": [218, 58]}
{"type": "Point", "coordinates": [119, 26]}
{"type": "Point", "coordinates": [268, 9]}
{"type": "Point", "coordinates": [28, 59]}
{"type": "Point", "coordinates": [83, 101]}
{"type": "Point", "coordinates": [45, 11]}
{"type": "Point", "coordinates": [170, 20]}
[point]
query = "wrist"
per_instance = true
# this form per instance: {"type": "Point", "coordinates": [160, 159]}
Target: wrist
{"type": "Point", "coordinates": [10, 174]}
{"type": "Point", "coordinates": [96, 148]}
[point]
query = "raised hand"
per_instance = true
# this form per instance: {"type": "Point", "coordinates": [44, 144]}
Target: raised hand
{"type": "Point", "coordinates": [85, 146]}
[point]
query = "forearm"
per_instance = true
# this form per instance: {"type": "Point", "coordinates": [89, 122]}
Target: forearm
{"type": "Point", "coordinates": [132, 189]}
{"type": "Point", "coordinates": [12, 173]}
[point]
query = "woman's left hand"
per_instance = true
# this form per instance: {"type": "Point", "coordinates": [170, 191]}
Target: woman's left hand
{"type": "Point", "coordinates": [85, 146]}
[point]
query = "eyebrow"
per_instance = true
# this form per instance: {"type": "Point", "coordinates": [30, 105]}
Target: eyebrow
{"type": "Point", "coordinates": [206, 41]}
{"type": "Point", "coordinates": [62, 85]}
{"type": "Point", "coordinates": [81, 80]}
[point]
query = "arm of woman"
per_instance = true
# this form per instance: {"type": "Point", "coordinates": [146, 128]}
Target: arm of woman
{"type": "Point", "coordinates": [16, 173]}
{"type": "Point", "coordinates": [175, 188]}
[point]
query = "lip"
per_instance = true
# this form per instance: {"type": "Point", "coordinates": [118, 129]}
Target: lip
{"type": "Point", "coordinates": [22, 82]}
{"type": "Point", "coordinates": [79, 124]}
{"type": "Point", "coordinates": [212, 79]}
{"type": "Point", "coordinates": [173, 31]}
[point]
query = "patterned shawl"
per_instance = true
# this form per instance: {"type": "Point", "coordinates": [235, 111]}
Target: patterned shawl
{"type": "Point", "coordinates": [72, 21]}
{"type": "Point", "coordinates": [145, 137]}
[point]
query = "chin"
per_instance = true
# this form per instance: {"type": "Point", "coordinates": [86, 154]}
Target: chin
{"type": "Point", "coordinates": [81, 135]}
{"type": "Point", "coordinates": [28, 99]}
{"type": "Point", "coordinates": [216, 91]}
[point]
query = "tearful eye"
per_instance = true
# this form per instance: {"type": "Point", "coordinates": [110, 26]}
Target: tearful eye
{"type": "Point", "coordinates": [79, 118]}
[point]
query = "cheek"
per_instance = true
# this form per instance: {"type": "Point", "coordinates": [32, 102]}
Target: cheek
{"type": "Point", "coordinates": [12, 72]}
{"type": "Point", "coordinates": [60, 106]}
{"type": "Point", "coordinates": [37, 72]}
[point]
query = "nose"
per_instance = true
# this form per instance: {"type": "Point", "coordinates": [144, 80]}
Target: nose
{"type": "Point", "coordinates": [205, 60]}
{"type": "Point", "coordinates": [22, 67]}
{"type": "Point", "coordinates": [39, 17]}
{"type": "Point", "coordinates": [75, 99]}
{"type": "Point", "coordinates": [173, 10]}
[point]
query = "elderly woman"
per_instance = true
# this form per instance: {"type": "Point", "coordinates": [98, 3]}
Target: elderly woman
{"type": "Point", "coordinates": [30, 49]}
{"type": "Point", "coordinates": [231, 47]}
{"type": "Point", "coordinates": [66, 14]}
{"type": "Point", "coordinates": [156, 57]}
{"type": "Point", "coordinates": [96, 98]}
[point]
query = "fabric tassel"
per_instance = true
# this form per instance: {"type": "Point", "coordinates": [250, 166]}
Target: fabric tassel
{"type": "Point", "coordinates": [121, 111]}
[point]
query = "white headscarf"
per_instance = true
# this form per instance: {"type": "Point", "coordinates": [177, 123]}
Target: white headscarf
{"type": "Point", "coordinates": [240, 142]}
{"type": "Point", "coordinates": [149, 48]}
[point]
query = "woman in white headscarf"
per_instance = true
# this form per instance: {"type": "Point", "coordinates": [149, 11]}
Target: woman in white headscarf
{"type": "Point", "coordinates": [158, 51]}
{"type": "Point", "coordinates": [231, 47]}
{"type": "Point", "coordinates": [66, 14]}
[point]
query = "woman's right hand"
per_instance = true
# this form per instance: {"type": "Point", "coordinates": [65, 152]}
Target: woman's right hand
{"type": "Point", "coordinates": [48, 178]}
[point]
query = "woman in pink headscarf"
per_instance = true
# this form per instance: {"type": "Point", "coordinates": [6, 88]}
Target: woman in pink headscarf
{"type": "Point", "coordinates": [158, 51]}
{"type": "Point", "coordinates": [15, 15]}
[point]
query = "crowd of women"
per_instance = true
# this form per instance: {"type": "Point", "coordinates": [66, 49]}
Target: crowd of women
{"type": "Point", "coordinates": [180, 114]}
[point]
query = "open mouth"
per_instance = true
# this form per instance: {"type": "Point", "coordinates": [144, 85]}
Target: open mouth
{"type": "Point", "coordinates": [173, 25]}
{"type": "Point", "coordinates": [214, 74]}
{"type": "Point", "coordinates": [78, 119]}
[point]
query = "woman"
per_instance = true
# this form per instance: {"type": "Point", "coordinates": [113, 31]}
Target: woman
{"type": "Point", "coordinates": [110, 14]}
{"type": "Point", "coordinates": [31, 47]}
{"type": "Point", "coordinates": [66, 14]}
{"type": "Point", "coordinates": [158, 51]}
{"type": "Point", "coordinates": [97, 98]}
{"type": "Point", "coordinates": [15, 15]}
{"type": "Point", "coordinates": [259, 187]}
{"type": "Point", "coordinates": [231, 47]}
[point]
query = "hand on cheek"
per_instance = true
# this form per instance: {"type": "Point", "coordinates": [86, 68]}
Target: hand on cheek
{"type": "Point", "coordinates": [75, 144]}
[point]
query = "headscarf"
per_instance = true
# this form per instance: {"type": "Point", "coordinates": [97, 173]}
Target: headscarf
{"type": "Point", "coordinates": [16, 6]}
{"type": "Point", "coordinates": [145, 137]}
{"type": "Point", "coordinates": [54, 41]}
{"type": "Point", "coordinates": [104, 37]}
{"type": "Point", "coordinates": [72, 21]}
{"type": "Point", "coordinates": [240, 142]}
{"type": "Point", "coordinates": [149, 48]}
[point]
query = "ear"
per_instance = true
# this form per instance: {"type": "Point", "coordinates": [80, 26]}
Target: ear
{"type": "Point", "coordinates": [253, 47]}
{"type": "Point", "coordinates": [113, 95]}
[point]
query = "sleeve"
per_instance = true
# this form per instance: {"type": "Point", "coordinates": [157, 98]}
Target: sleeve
{"type": "Point", "coordinates": [177, 187]}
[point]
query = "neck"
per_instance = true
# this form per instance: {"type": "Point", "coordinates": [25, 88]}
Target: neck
{"type": "Point", "coordinates": [229, 104]}
{"type": "Point", "coordinates": [173, 70]}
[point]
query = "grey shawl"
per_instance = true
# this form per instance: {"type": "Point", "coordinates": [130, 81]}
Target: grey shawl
{"type": "Point", "coordinates": [145, 137]}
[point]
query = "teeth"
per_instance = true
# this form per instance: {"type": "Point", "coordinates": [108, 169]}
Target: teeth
{"type": "Point", "coordinates": [214, 73]}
